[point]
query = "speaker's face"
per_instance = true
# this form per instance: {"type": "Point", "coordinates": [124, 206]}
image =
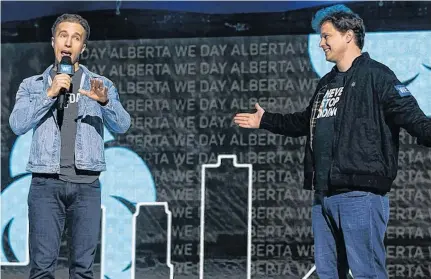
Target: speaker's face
{"type": "Point", "coordinates": [68, 40]}
{"type": "Point", "coordinates": [333, 42]}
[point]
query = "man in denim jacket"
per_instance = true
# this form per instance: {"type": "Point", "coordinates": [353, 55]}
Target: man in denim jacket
{"type": "Point", "coordinates": [67, 152]}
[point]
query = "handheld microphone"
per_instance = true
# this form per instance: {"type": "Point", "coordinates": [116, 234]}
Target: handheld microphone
{"type": "Point", "coordinates": [64, 67]}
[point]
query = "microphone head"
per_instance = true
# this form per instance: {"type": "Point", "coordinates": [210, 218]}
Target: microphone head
{"type": "Point", "coordinates": [65, 66]}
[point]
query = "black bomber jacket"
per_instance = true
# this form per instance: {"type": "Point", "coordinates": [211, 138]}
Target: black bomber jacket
{"type": "Point", "coordinates": [373, 107]}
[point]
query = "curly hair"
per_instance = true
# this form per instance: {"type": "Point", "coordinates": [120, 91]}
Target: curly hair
{"type": "Point", "coordinates": [343, 20]}
{"type": "Point", "coordinates": [75, 19]}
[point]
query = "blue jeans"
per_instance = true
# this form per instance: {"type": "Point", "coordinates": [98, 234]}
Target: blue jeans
{"type": "Point", "coordinates": [51, 203]}
{"type": "Point", "coordinates": [349, 231]}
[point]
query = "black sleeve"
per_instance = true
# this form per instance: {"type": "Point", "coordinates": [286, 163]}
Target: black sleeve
{"type": "Point", "coordinates": [402, 108]}
{"type": "Point", "coordinates": [293, 124]}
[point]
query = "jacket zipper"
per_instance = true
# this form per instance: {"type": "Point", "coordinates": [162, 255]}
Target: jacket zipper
{"type": "Point", "coordinates": [312, 181]}
{"type": "Point", "coordinates": [337, 122]}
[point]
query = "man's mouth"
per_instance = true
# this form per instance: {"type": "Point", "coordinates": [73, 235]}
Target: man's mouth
{"type": "Point", "coordinates": [66, 53]}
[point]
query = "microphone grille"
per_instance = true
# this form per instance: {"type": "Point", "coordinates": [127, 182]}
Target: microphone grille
{"type": "Point", "coordinates": [66, 60]}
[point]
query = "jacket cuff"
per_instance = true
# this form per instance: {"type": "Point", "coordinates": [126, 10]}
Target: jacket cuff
{"type": "Point", "coordinates": [266, 121]}
{"type": "Point", "coordinates": [108, 105]}
{"type": "Point", "coordinates": [426, 143]}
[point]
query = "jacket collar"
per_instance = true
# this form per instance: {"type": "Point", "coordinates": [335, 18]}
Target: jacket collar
{"type": "Point", "coordinates": [356, 62]}
{"type": "Point", "coordinates": [85, 82]}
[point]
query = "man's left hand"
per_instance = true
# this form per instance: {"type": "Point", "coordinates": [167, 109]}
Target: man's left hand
{"type": "Point", "coordinates": [97, 92]}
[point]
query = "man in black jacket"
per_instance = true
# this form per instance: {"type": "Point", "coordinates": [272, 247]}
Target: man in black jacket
{"type": "Point", "coordinates": [352, 126]}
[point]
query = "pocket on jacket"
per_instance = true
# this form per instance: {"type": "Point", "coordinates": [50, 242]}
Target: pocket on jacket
{"type": "Point", "coordinates": [361, 148]}
{"type": "Point", "coordinates": [365, 139]}
{"type": "Point", "coordinates": [35, 95]}
{"type": "Point", "coordinates": [366, 128]}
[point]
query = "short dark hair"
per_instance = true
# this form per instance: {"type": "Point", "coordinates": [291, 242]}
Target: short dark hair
{"type": "Point", "coordinates": [343, 20]}
{"type": "Point", "coordinates": [75, 19]}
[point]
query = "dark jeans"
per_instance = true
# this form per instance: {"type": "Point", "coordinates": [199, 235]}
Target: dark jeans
{"type": "Point", "coordinates": [349, 230]}
{"type": "Point", "coordinates": [51, 203]}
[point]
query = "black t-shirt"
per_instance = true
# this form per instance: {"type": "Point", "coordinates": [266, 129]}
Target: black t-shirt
{"type": "Point", "coordinates": [324, 131]}
{"type": "Point", "coordinates": [67, 121]}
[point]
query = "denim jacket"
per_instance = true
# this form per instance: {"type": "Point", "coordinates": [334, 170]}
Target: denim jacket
{"type": "Point", "coordinates": [35, 110]}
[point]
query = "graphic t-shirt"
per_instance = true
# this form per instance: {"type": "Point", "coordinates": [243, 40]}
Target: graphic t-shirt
{"type": "Point", "coordinates": [324, 131]}
{"type": "Point", "coordinates": [67, 121]}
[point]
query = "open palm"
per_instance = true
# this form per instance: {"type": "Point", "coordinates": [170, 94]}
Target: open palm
{"type": "Point", "coordinates": [98, 91]}
{"type": "Point", "coordinates": [249, 120]}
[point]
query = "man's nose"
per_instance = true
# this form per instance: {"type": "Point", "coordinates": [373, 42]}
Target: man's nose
{"type": "Point", "coordinates": [68, 42]}
{"type": "Point", "coordinates": [322, 42]}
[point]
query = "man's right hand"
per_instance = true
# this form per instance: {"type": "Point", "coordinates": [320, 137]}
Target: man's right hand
{"type": "Point", "coordinates": [249, 120]}
{"type": "Point", "coordinates": [59, 81]}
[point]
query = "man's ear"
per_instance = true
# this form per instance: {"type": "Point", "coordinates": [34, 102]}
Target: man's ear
{"type": "Point", "coordinates": [83, 48]}
{"type": "Point", "coordinates": [349, 36]}
{"type": "Point", "coordinates": [52, 42]}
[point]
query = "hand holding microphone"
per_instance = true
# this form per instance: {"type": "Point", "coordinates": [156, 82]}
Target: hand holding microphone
{"type": "Point", "coordinates": [61, 82]}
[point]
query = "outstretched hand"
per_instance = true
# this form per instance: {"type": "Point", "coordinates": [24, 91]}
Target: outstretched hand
{"type": "Point", "coordinates": [98, 91]}
{"type": "Point", "coordinates": [249, 120]}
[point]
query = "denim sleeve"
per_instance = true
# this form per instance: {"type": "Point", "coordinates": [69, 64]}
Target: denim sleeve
{"type": "Point", "coordinates": [29, 108]}
{"type": "Point", "coordinates": [115, 117]}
